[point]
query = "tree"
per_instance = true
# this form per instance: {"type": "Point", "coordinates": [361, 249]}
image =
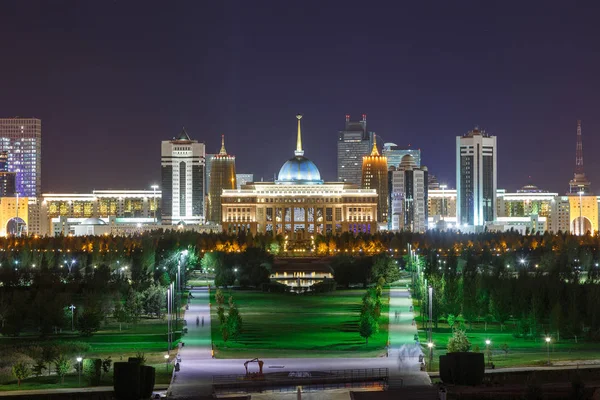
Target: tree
{"type": "Point", "coordinates": [49, 355]}
{"type": "Point", "coordinates": [62, 366]}
{"type": "Point", "coordinates": [385, 267]}
{"type": "Point", "coordinates": [89, 321]}
{"type": "Point", "coordinates": [133, 306]}
{"type": "Point", "coordinates": [120, 314]}
{"type": "Point", "coordinates": [154, 300]}
{"type": "Point", "coordinates": [219, 297]}
{"type": "Point", "coordinates": [451, 320]}
{"type": "Point", "coordinates": [368, 327]}
{"type": "Point", "coordinates": [106, 364]}
{"type": "Point", "coordinates": [38, 368]}
{"type": "Point", "coordinates": [458, 342]}
{"type": "Point", "coordinates": [234, 322]}
{"type": "Point", "coordinates": [21, 371]}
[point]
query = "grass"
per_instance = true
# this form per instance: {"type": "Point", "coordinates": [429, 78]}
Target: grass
{"type": "Point", "coordinates": [148, 337]}
{"type": "Point", "coordinates": [521, 351]}
{"type": "Point", "coordinates": [291, 325]}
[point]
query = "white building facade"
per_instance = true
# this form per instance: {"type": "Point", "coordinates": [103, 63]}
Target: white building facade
{"type": "Point", "coordinates": [408, 196]}
{"type": "Point", "coordinates": [182, 170]}
{"type": "Point", "coordinates": [476, 178]}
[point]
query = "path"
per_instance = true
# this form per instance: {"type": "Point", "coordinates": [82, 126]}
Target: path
{"type": "Point", "coordinates": [197, 367]}
{"type": "Point", "coordinates": [196, 362]}
{"type": "Point", "coordinates": [403, 350]}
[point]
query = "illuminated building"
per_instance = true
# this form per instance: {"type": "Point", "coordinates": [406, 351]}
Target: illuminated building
{"type": "Point", "coordinates": [242, 179]}
{"type": "Point", "coordinates": [14, 216]}
{"type": "Point", "coordinates": [476, 178]}
{"type": "Point", "coordinates": [354, 142]}
{"type": "Point", "coordinates": [21, 138]}
{"type": "Point", "coordinates": [125, 211]}
{"type": "Point", "coordinates": [408, 196]}
{"type": "Point", "coordinates": [182, 174]}
{"type": "Point", "coordinates": [375, 176]}
{"type": "Point", "coordinates": [394, 155]}
{"type": "Point", "coordinates": [299, 204]}
{"type": "Point", "coordinates": [7, 178]}
{"type": "Point", "coordinates": [222, 176]}
{"type": "Point", "coordinates": [579, 183]}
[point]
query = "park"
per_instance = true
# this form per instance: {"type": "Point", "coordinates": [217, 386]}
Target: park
{"type": "Point", "coordinates": [521, 301]}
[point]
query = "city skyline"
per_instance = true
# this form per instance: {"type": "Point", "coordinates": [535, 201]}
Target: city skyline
{"type": "Point", "coordinates": [98, 99]}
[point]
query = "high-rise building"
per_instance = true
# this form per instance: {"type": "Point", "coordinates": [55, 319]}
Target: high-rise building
{"type": "Point", "coordinates": [208, 159]}
{"type": "Point", "coordinates": [222, 176]}
{"type": "Point", "coordinates": [182, 161]}
{"type": "Point", "coordinates": [21, 138]}
{"type": "Point", "coordinates": [7, 178]}
{"type": "Point", "coordinates": [242, 179]}
{"type": "Point", "coordinates": [354, 142]}
{"type": "Point", "coordinates": [394, 155]}
{"type": "Point", "coordinates": [579, 183]}
{"type": "Point", "coordinates": [408, 196]}
{"type": "Point", "coordinates": [375, 176]}
{"type": "Point", "coordinates": [476, 178]}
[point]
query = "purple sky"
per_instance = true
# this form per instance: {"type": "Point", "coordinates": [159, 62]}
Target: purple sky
{"type": "Point", "coordinates": [111, 79]}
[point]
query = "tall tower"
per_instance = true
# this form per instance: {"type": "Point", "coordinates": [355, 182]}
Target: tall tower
{"type": "Point", "coordinates": [7, 178]}
{"type": "Point", "coordinates": [408, 196]}
{"type": "Point", "coordinates": [476, 178]}
{"type": "Point", "coordinates": [182, 171]}
{"type": "Point", "coordinates": [21, 138]}
{"type": "Point", "coordinates": [375, 176]}
{"type": "Point", "coordinates": [222, 176]}
{"type": "Point", "coordinates": [579, 183]}
{"type": "Point", "coordinates": [354, 142]}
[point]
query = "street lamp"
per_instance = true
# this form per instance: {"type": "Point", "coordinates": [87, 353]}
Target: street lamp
{"type": "Point", "coordinates": [72, 307]}
{"type": "Point", "coordinates": [430, 345]}
{"type": "Point", "coordinates": [430, 312]}
{"type": "Point", "coordinates": [167, 362]}
{"type": "Point", "coordinates": [548, 339]}
{"type": "Point", "coordinates": [79, 360]}
{"type": "Point", "coordinates": [488, 351]}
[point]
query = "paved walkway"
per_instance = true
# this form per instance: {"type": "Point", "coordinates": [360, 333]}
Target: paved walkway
{"type": "Point", "coordinates": [197, 367]}
{"type": "Point", "coordinates": [193, 377]}
{"type": "Point", "coordinates": [403, 350]}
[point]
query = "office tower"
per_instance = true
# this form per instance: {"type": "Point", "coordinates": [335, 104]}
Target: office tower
{"type": "Point", "coordinates": [579, 183]}
{"type": "Point", "coordinates": [208, 159]}
{"type": "Point", "coordinates": [222, 176]}
{"type": "Point", "coordinates": [408, 196]}
{"type": "Point", "coordinates": [476, 178]}
{"type": "Point", "coordinates": [375, 176]}
{"type": "Point", "coordinates": [394, 155]}
{"type": "Point", "coordinates": [7, 179]}
{"type": "Point", "coordinates": [432, 182]}
{"type": "Point", "coordinates": [22, 139]}
{"type": "Point", "coordinates": [182, 161]}
{"type": "Point", "coordinates": [354, 142]}
{"type": "Point", "coordinates": [242, 179]}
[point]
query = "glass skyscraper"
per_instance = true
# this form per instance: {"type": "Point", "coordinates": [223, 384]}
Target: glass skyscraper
{"type": "Point", "coordinates": [394, 155]}
{"type": "Point", "coordinates": [354, 142]}
{"type": "Point", "coordinates": [21, 138]}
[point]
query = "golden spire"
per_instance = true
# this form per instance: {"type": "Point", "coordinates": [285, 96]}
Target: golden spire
{"type": "Point", "coordinates": [374, 152]}
{"type": "Point", "coordinates": [223, 152]}
{"type": "Point", "coordinates": [299, 151]}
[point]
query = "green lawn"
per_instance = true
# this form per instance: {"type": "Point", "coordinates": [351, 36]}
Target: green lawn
{"type": "Point", "coordinates": [148, 337]}
{"type": "Point", "coordinates": [291, 325]}
{"type": "Point", "coordinates": [521, 351]}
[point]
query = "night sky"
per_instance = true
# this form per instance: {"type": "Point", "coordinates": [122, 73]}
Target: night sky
{"type": "Point", "coordinates": [111, 79]}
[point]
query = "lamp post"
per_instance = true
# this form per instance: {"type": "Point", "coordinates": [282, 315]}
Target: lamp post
{"type": "Point", "coordinates": [169, 317]}
{"type": "Point", "coordinates": [488, 351]}
{"type": "Point", "coordinates": [430, 312]}
{"type": "Point", "coordinates": [79, 360]}
{"type": "Point", "coordinates": [430, 345]}
{"type": "Point", "coordinates": [167, 362]}
{"type": "Point", "coordinates": [154, 187]}
{"type": "Point", "coordinates": [548, 339]}
{"type": "Point", "coordinates": [71, 265]}
{"type": "Point", "coordinates": [72, 307]}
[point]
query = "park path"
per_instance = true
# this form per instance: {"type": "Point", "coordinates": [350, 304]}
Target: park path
{"type": "Point", "coordinates": [197, 366]}
{"type": "Point", "coordinates": [403, 349]}
{"type": "Point", "coordinates": [196, 354]}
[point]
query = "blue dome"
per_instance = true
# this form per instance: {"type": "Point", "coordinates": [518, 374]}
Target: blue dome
{"type": "Point", "coordinates": [299, 171]}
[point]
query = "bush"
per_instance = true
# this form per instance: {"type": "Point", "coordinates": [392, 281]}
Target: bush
{"type": "Point", "coordinates": [21, 371]}
{"type": "Point", "coordinates": [328, 285]}
{"type": "Point", "coordinates": [458, 342]}
{"type": "Point", "coordinates": [275, 287]}
{"type": "Point", "coordinates": [92, 369]}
